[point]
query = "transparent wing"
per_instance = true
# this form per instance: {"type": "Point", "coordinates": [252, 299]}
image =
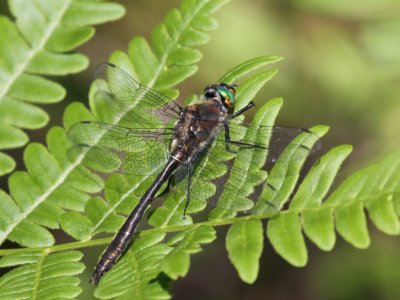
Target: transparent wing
{"type": "Point", "coordinates": [273, 139]}
{"type": "Point", "coordinates": [106, 147]}
{"type": "Point", "coordinates": [141, 147]}
{"type": "Point", "coordinates": [132, 101]}
{"type": "Point", "coordinates": [247, 179]}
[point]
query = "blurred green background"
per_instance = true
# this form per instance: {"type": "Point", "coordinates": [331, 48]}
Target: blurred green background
{"type": "Point", "coordinates": [342, 69]}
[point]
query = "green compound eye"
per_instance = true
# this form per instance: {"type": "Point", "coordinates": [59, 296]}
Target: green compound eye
{"type": "Point", "coordinates": [228, 98]}
{"type": "Point", "coordinates": [225, 93]}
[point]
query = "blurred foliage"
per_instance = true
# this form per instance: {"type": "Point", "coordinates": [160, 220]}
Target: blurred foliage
{"type": "Point", "coordinates": [371, 274]}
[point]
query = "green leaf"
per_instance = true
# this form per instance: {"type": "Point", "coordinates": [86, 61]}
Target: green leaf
{"type": "Point", "coordinates": [244, 243]}
{"type": "Point", "coordinates": [36, 89]}
{"type": "Point", "coordinates": [19, 258]}
{"type": "Point", "coordinates": [383, 214]}
{"type": "Point", "coordinates": [41, 276]}
{"type": "Point", "coordinates": [67, 38]}
{"type": "Point", "coordinates": [57, 64]}
{"type": "Point", "coordinates": [352, 225]}
{"type": "Point", "coordinates": [285, 173]}
{"type": "Point", "coordinates": [246, 182]}
{"type": "Point", "coordinates": [248, 66]}
{"type": "Point", "coordinates": [51, 185]}
{"type": "Point", "coordinates": [284, 232]}
{"type": "Point", "coordinates": [135, 274]}
{"type": "Point", "coordinates": [319, 227]}
{"type": "Point", "coordinates": [372, 188]}
{"type": "Point", "coordinates": [11, 137]}
{"type": "Point", "coordinates": [7, 164]}
{"type": "Point", "coordinates": [69, 222]}
{"type": "Point", "coordinates": [252, 86]}
{"type": "Point", "coordinates": [318, 224]}
{"type": "Point", "coordinates": [310, 194]}
{"type": "Point", "coordinates": [37, 44]}
{"type": "Point", "coordinates": [176, 263]}
{"type": "Point", "coordinates": [30, 116]}
{"type": "Point", "coordinates": [185, 56]}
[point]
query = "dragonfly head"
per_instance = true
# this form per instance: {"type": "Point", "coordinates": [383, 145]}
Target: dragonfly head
{"type": "Point", "coordinates": [222, 92]}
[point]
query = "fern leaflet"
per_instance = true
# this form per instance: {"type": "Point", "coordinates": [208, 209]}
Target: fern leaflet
{"type": "Point", "coordinates": [41, 275]}
{"type": "Point", "coordinates": [37, 44]}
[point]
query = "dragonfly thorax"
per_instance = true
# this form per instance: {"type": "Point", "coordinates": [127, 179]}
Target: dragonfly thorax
{"type": "Point", "coordinates": [196, 129]}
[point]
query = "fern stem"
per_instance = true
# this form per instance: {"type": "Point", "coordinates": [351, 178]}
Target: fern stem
{"type": "Point", "coordinates": [38, 275]}
{"type": "Point", "coordinates": [178, 228]}
{"type": "Point", "coordinates": [167, 229]}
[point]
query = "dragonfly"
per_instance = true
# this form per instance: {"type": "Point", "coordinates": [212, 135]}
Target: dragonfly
{"type": "Point", "coordinates": [156, 136]}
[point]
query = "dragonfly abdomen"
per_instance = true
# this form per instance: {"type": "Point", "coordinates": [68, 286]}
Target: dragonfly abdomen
{"type": "Point", "coordinates": [124, 235]}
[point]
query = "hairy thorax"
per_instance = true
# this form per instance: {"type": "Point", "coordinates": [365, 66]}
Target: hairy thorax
{"type": "Point", "coordinates": [196, 129]}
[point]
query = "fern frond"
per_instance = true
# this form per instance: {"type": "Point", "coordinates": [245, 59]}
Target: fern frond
{"type": "Point", "coordinates": [176, 263]}
{"type": "Point", "coordinates": [373, 189]}
{"type": "Point", "coordinates": [41, 276]}
{"type": "Point", "coordinates": [37, 44]}
{"type": "Point", "coordinates": [52, 183]}
{"type": "Point", "coordinates": [285, 231]}
{"type": "Point", "coordinates": [163, 69]}
{"type": "Point", "coordinates": [136, 274]}
{"type": "Point", "coordinates": [40, 195]}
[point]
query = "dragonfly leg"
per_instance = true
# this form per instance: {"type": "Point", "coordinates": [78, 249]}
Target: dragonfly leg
{"type": "Point", "coordinates": [164, 191]}
{"type": "Point", "coordinates": [240, 111]}
{"type": "Point", "coordinates": [227, 135]}
{"type": "Point", "coordinates": [238, 143]}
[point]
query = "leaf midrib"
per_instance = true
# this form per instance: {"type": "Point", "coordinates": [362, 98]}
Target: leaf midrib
{"type": "Point", "coordinates": [38, 275]}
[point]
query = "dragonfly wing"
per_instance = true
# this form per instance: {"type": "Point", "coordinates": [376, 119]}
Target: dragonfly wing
{"type": "Point", "coordinates": [243, 179]}
{"type": "Point", "coordinates": [136, 151]}
{"type": "Point", "coordinates": [130, 100]}
{"type": "Point", "coordinates": [273, 138]}
{"type": "Point", "coordinates": [267, 173]}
